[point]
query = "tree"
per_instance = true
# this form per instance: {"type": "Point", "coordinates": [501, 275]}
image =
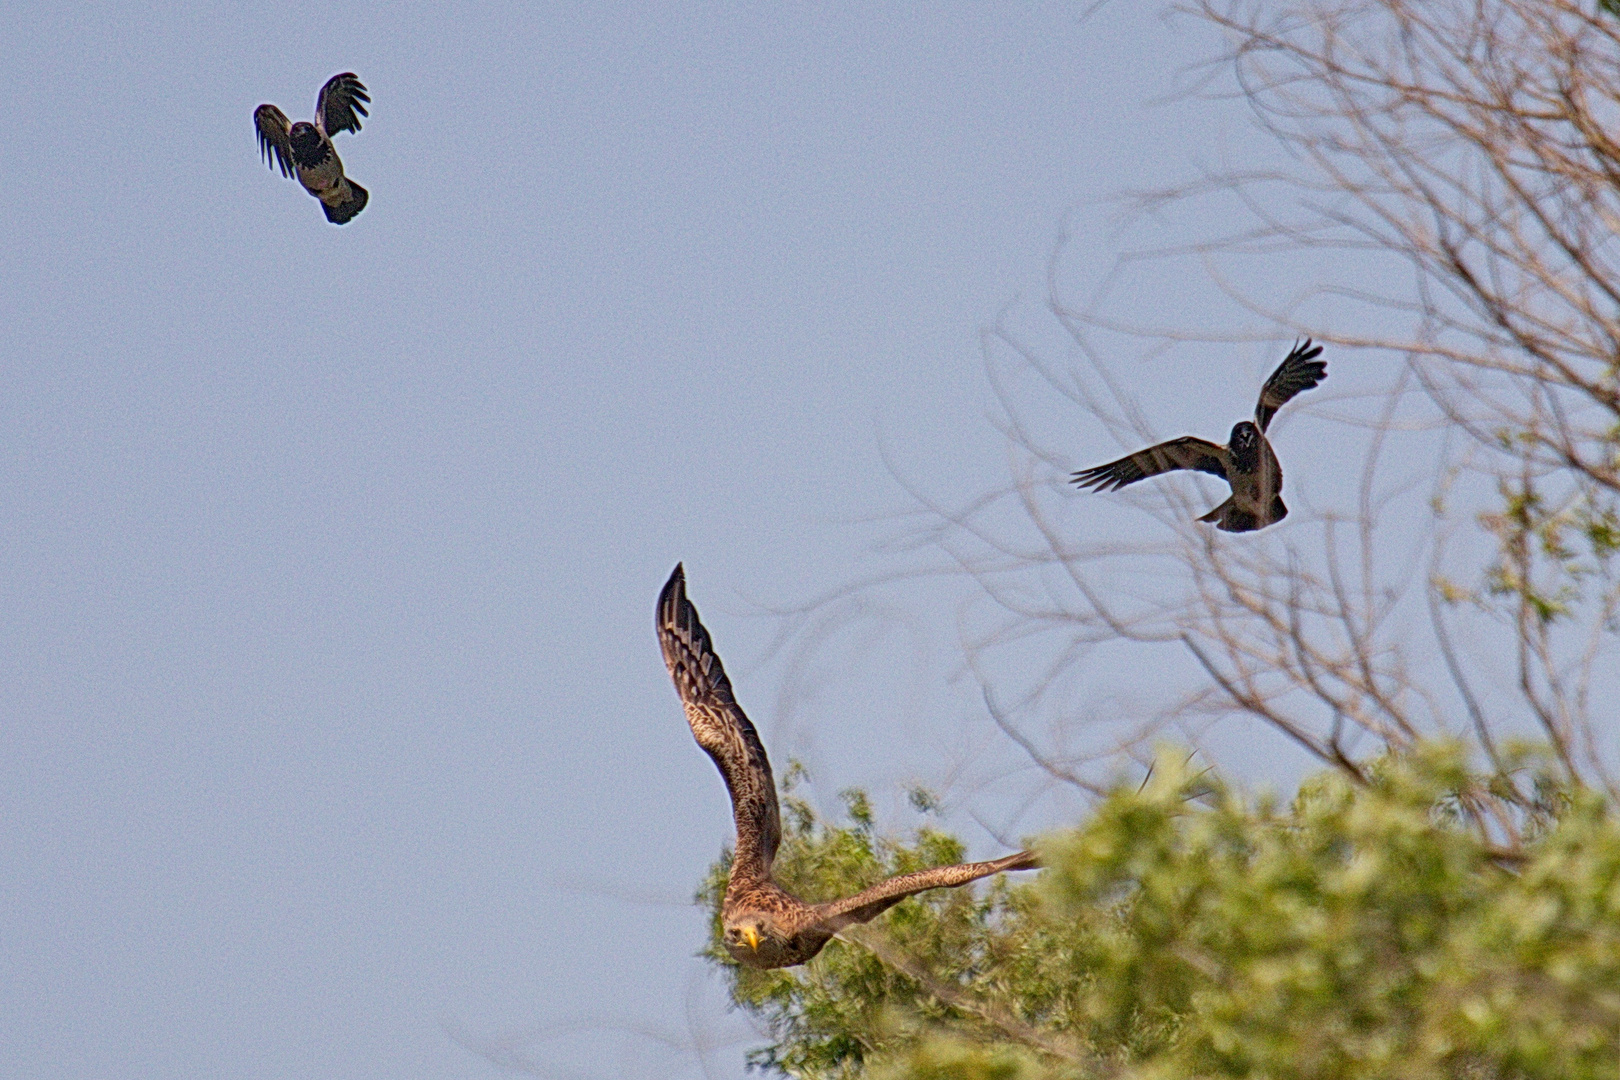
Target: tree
{"type": "Point", "coordinates": [1449, 162]}
{"type": "Point", "coordinates": [1438, 901]}
{"type": "Point", "coordinates": [1468, 143]}
{"type": "Point", "coordinates": [1364, 930]}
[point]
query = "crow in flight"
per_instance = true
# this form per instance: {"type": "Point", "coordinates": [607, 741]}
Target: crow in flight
{"type": "Point", "coordinates": [304, 150]}
{"type": "Point", "coordinates": [1246, 461]}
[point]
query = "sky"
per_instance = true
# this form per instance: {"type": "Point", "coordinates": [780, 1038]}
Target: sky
{"type": "Point", "coordinates": [334, 738]}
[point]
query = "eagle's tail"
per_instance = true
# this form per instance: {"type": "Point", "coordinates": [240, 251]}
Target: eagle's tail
{"type": "Point", "coordinates": [344, 211]}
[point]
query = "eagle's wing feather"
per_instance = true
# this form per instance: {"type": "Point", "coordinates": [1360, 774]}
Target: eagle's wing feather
{"type": "Point", "coordinates": [1300, 370]}
{"type": "Point", "coordinates": [273, 141]}
{"type": "Point", "coordinates": [336, 105]}
{"type": "Point", "coordinates": [721, 728]}
{"type": "Point", "coordinates": [1187, 452]}
{"type": "Point", "coordinates": [868, 904]}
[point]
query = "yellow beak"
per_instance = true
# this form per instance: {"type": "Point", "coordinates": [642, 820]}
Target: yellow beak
{"type": "Point", "coordinates": [751, 936]}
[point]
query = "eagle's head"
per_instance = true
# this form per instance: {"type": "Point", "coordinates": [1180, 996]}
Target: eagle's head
{"type": "Point", "coordinates": [754, 939]}
{"type": "Point", "coordinates": [1245, 446]}
{"type": "Point", "coordinates": [758, 939]}
{"type": "Point", "coordinates": [309, 149]}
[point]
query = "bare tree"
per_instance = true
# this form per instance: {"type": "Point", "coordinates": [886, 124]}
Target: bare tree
{"type": "Point", "coordinates": [1443, 173]}
{"type": "Point", "coordinates": [1470, 141]}
{"type": "Point", "coordinates": [1448, 164]}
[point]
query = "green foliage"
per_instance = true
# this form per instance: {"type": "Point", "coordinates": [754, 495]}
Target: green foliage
{"type": "Point", "coordinates": [1549, 556]}
{"type": "Point", "coordinates": [830, 1016]}
{"type": "Point", "coordinates": [1362, 932]}
{"type": "Point", "coordinates": [956, 1059]}
{"type": "Point", "coordinates": [1187, 931]}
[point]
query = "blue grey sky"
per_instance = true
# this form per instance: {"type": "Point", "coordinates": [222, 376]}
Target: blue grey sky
{"type": "Point", "coordinates": [333, 722]}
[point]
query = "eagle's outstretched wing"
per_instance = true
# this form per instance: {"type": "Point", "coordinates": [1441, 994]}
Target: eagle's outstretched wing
{"type": "Point", "coordinates": [721, 728]}
{"type": "Point", "coordinates": [1187, 452]}
{"type": "Point", "coordinates": [273, 141]}
{"type": "Point", "coordinates": [336, 105]}
{"type": "Point", "coordinates": [868, 904]}
{"type": "Point", "coordinates": [1300, 370]}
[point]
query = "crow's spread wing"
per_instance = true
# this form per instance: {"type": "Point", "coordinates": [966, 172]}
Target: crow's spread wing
{"type": "Point", "coordinates": [339, 100]}
{"type": "Point", "coordinates": [273, 141]}
{"type": "Point", "coordinates": [721, 728]}
{"type": "Point", "coordinates": [1187, 452]}
{"type": "Point", "coordinates": [1300, 370]}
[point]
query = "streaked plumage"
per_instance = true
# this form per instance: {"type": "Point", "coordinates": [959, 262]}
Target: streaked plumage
{"type": "Point", "coordinates": [765, 926]}
{"type": "Point", "coordinates": [304, 150]}
{"type": "Point", "coordinates": [1246, 462]}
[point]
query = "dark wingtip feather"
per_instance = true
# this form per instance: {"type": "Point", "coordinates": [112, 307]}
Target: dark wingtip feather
{"type": "Point", "coordinates": [688, 651]}
{"type": "Point", "coordinates": [1302, 361]}
{"type": "Point", "coordinates": [1023, 860]}
{"type": "Point", "coordinates": [676, 585]}
{"type": "Point", "coordinates": [1299, 371]}
{"type": "Point", "coordinates": [339, 114]}
{"type": "Point", "coordinates": [356, 88]}
{"type": "Point", "coordinates": [1097, 478]}
{"type": "Point", "coordinates": [269, 149]}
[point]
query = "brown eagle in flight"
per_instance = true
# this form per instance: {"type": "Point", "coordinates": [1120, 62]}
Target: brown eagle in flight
{"type": "Point", "coordinates": [304, 150]}
{"type": "Point", "coordinates": [764, 926]}
{"type": "Point", "coordinates": [1246, 461]}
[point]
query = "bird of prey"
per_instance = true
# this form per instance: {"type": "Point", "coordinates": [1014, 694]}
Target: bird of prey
{"type": "Point", "coordinates": [304, 150]}
{"type": "Point", "coordinates": [764, 926]}
{"type": "Point", "coordinates": [1246, 461]}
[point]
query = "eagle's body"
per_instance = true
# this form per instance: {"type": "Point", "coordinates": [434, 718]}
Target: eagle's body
{"type": "Point", "coordinates": [1247, 461]}
{"type": "Point", "coordinates": [304, 150]}
{"type": "Point", "coordinates": [764, 925]}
